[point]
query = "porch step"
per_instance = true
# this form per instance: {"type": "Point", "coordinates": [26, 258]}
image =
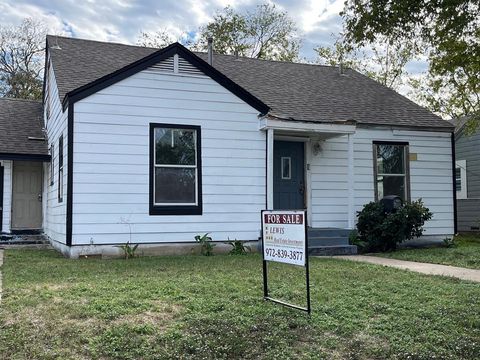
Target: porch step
{"type": "Point", "coordinates": [329, 241]}
{"type": "Point", "coordinates": [332, 250]}
{"type": "Point", "coordinates": [36, 239]}
{"type": "Point", "coordinates": [328, 232]}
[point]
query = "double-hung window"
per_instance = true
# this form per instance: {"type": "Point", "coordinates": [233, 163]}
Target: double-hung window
{"type": "Point", "coordinates": [60, 169]}
{"type": "Point", "coordinates": [461, 179]}
{"type": "Point", "coordinates": [391, 170]}
{"type": "Point", "coordinates": [175, 170]}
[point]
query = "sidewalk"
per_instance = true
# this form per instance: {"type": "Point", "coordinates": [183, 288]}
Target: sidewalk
{"type": "Point", "coordinates": [424, 268]}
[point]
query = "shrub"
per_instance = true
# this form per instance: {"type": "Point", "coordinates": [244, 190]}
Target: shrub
{"type": "Point", "coordinates": [381, 231]}
{"type": "Point", "coordinates": [206, 244]}
{"type": "Point", "coordinates": [238, 247]}
{"type": "Point", "coordinates": [354, 239]}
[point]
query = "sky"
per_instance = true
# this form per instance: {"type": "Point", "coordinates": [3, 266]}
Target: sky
{"type": "Point", "coordinates": [123, 21]}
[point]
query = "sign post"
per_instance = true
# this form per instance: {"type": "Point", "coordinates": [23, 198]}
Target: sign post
{"type": "Point", "coordinates": [284, 240]}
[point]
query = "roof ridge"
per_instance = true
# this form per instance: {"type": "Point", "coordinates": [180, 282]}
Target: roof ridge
{"type": "Point", "coordinates": [271, 60]}
{"type": "Point", "coordinates": [103, 42]}
{"type": "Point", "coordinates": [197, 52]}
{"type": "Point", "coordinates": [20, 99]}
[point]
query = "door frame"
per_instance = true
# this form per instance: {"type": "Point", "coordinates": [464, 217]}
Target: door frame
{"type": "Point", "coordinates": [306, 169]}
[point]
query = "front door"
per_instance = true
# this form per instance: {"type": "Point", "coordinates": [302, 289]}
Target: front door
{"type": "Point", "coordinates": [27, 195]}
{"type": "Point", "coordinates": [288, 175]}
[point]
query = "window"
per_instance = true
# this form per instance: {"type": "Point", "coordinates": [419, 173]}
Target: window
{"type": "Point", "coordinates": [286, 168]}
{"type": "Point", "coordinates": [461, 179]}
{"type": "Point", "coordinates": [391, 170]}
{"type": "Point", "coordinates": [175, 170]}
{"type": "Point", "coordinates": [60, 168]}
{"type": "Point", "coordinates": [52, 164]}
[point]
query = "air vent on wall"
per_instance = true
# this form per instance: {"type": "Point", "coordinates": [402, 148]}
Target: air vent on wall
{"type": "Point", "coordinates": [185, 67]}
{"type": "Point", "coordinates": [164, 65]}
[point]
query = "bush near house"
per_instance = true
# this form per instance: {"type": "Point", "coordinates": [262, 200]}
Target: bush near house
{"type": "Point", "coordinates": [379, 230]}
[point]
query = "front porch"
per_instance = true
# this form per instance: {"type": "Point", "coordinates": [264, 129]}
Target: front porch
{"type": "Point", "coordinates": [323, 171]}
{"type": "Point", "coordinates": [298, 177]}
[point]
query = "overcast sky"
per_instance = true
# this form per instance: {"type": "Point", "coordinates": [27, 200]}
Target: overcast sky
{"type": "Point", "coordinates": [124, 20]}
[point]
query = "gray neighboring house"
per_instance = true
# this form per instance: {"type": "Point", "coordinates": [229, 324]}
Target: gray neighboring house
{"type": "Point", "coordinates": [467, 176]}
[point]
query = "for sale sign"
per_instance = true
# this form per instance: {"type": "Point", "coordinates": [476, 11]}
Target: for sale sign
{"type": "Point", "coordinates": [284, 237]}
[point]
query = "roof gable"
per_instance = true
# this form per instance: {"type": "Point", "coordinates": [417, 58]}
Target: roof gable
{"type": "Point", "coordinates": [155, 58]}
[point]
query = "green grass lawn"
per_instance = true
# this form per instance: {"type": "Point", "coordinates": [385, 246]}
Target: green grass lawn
{"type": "Point", "coordinates": [212, 307]}
{"type": "Point", "coordinates": [466, 253]}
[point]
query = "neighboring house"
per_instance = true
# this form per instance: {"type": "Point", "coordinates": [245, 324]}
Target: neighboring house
{"type": "Point", "coordinates": [467, 156]}
{"type": "Point", "coordinates": [156, 146]}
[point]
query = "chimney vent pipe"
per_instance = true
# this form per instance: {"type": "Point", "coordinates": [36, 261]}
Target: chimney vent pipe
{"type": "Point", "coordinates": [210, 50]}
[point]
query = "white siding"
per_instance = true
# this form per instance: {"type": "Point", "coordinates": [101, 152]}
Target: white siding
{"type": "Point", "coordinates": [7, 195]}
{"type": "Point", "coordinates": [430, 176]}
{"type": "Point", "coordinates": [111, 160]}
{"type": "Point", "coordinates": [54, 219]}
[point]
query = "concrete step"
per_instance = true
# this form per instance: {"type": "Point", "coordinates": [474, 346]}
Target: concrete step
{"type": "Point", "coordinates": [328, 232]}
{"type": "Point", "coordinates": [332, 250]}
{"type": "Point", "coordinates": [36, 239]}
{"type": "Point", "coordinates": [327, 241]}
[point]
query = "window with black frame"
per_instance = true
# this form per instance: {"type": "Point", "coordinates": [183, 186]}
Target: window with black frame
{"type": "Point", "coordinates": [60, 169]}
{"type": "Point", "coordinates": [391, 170]}
{"type": "Point", "coordinates": [175, 170]}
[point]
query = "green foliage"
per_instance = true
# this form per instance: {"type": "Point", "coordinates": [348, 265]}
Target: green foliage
{"type": "Point", "coordinates": [238, 247]}
{"type": "Point", "coordinates": [382, 231]}
{"type": "Point", "coordinates": [206, 244]}
{"type": "Point", "coordinates": [128, 250]}
{"type": "Point", "coordinates": [448, 32]}
{"type": "Point", "coordinates": [354, 239]}
{"type": "Point", "coordinates": [265, 33]}
{"type": "Point", "coordinates": [449, 242]}
{"type": "Point", "coordinates": [22, 59]}
{"type": "Point", "coordinates": [383, 62]}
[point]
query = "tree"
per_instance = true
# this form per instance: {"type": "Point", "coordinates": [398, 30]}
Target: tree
{"type": "Point", "coordinates": [265, 33]}
{"type": "Point", "coordinates": [449, 33]}
{"type": "Point", "coordinates": [22, 59]}
{"type": "Point", "coordinates": [159, 39]}
{"type": "Point", "coordinates": [382, 62]}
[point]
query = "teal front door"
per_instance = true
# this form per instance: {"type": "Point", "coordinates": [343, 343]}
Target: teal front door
{"type": "Point", "coordinates": [288, 175]}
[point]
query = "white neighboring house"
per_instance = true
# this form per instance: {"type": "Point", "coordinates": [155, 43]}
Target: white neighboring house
{"type": "Point", "coordinates": [156, 146]}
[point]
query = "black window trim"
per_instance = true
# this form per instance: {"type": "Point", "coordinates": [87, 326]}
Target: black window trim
{"type": "Point", "coordinates": [52, 164]}
{"type": "Point", "coordinates": [407, 166]}
{"type": "Point", "coordinates": [60, 169]}
{"type": "Point", "coordinates": [175, 209]}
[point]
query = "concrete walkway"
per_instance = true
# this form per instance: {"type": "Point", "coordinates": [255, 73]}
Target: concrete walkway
{"type": "Point", "coordinates": [1, 263]}
{"type": "Point", "coordinates": [424, 268]}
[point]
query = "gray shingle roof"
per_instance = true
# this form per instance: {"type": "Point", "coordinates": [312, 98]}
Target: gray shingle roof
{"type": "Point", "coordinates": [295, 91]}
{"type": "Point", "coordinates": [19, 120]}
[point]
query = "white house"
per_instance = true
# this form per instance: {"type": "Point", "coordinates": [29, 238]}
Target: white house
{"type": "Point", "coordinates": [156, 146]}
